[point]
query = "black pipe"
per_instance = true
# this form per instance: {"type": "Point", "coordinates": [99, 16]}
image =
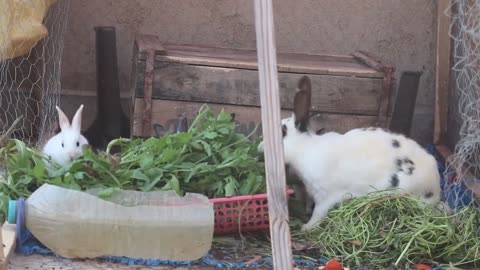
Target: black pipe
{"type": "Point", "coordinates": [110, 122]}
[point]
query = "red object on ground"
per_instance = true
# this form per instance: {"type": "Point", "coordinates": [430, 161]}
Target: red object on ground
{"type": "Point", "coordinates": [421, 266]}
{"type": "Point", "coordinates": [333, 265]}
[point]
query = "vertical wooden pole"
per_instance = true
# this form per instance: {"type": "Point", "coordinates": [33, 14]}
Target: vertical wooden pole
{"type": "Point", "coordinates": [272, 136]}
{"type": "Point", "coordinates": [147, 93]}
{"type": "Point", "coordinates": [442, 72]}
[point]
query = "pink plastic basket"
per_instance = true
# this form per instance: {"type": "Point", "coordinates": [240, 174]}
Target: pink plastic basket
{"type": "Point", "coordinates": [245, 213]}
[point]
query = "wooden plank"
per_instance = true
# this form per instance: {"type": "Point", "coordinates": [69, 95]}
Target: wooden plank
{"type": "Point", "coordinates": [248, 53]}
{"type": "Point", "coordinates": [373, 62]}
{"type": "Point", "coordinates": [166, 113]}
{"type": "Point", "coordinates": [369, 61]}
{"type": "Point", "coordinates": [8, 240]}
{"type": "Point", "coordinates": [344, 65]}
{"type": "Point", "coordinates": [386, 95]}
{"type": "Point", "coordinates": [148, 89]}
{"type": "Point", "coordinates": [296, 66]}
{"type": "Point", "coordinates": [442, 71]}
{"type": "Point", "coordinates": [228, 55]}
{"type": "Point", "coordinates": [274, 162]}
{"type": "Point", "coordinates": [150, 46]}
{"type": "Point", "coordinates": [67, 92]}
{"type": "Point", "coordinates": [335, 94]}
{"type": "Point", "coordinates": [145, 43]}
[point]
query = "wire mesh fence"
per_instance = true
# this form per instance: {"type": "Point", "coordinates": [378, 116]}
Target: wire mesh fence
{"type": "Point", "coordinates": [31, 44]}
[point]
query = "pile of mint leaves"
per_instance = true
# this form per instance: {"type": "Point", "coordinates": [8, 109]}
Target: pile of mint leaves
{"type": "Point", "coordinates": [211, 158]}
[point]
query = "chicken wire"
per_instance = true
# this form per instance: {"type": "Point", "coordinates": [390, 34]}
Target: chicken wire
{"type": "Point", "coordinates": [31, 44]}
{"type": "Point", "coordinates": [464, 97]}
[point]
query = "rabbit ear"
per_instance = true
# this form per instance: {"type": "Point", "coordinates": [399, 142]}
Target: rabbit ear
{"type": "Point", "coordinates": [159, 130]}
{"type": "Point", "coordinates": [62, 119]}
{"type": "Point", "coordinates": [301, 104]}
{"type": "Point", "coordinates": [77, 119]}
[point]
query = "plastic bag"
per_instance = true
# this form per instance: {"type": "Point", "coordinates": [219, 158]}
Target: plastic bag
{"type": "Point", "coordinates": [21, 26]}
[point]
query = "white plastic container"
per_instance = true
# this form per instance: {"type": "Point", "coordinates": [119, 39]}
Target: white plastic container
{"type": "Point", "coordinates": [146, 225]}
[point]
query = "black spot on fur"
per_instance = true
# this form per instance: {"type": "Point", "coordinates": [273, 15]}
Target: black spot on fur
{"type": "Point", "coordinates": [405, 165]}
{"type": "Point", "coordinates": [371, 128]}
{"type": "Point", "coordinates": [399, 162]}
{"type": "Point", "coordinates": [409, 161]}
{"type": "Point", "coordinates": [301, 126]}
{"type": "Point", "coordinates": [320, 131]}
{"type": "Point", "coordinates": [284, 130]}
{"type": "Point", "coordinates": [428, 194]}
{"type": "Point", "coordinates": [410, 166]}
{"type": "Point", "coordinates": [394, 180]}
{"type": "Point", "coordinates": [395, 143]}
{"type": "Point", "coordinates": [364, 129]}
{"type": "Point", "coordinates": [386, 130]}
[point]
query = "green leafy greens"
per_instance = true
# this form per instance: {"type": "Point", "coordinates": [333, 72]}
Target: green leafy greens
{"type": "Point", "coordinates": [211, 158]}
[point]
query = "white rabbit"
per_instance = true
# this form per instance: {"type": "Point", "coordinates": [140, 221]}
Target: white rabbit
{"type": "Point", "coordinates": [66, 146]}
{"type": "Point", "coordinates": [335, 167]}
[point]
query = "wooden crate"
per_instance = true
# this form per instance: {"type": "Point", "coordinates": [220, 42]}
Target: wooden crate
{"type": "Point", "coordinates": [168, 80]}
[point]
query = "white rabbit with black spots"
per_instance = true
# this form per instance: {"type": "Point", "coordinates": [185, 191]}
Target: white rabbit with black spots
{"type": "Point", "coordinates": [335, 167]}
{"type": "Point", "coordinates": [66, 146]}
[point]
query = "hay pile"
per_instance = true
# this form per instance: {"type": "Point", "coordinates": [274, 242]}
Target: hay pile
{"type": "Point", "coordinates": [381, 230]}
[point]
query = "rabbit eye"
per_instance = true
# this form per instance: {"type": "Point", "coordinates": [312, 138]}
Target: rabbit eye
{"type": "Point", "coordinates": [78, 144]}
{"type": "Point", "coordinates": [62, 145]}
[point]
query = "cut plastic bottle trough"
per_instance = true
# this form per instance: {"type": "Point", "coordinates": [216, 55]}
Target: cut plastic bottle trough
{"type": "Point", "coordinates": [143, 225]}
